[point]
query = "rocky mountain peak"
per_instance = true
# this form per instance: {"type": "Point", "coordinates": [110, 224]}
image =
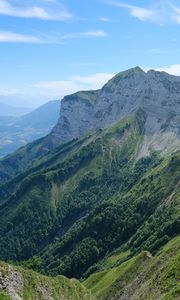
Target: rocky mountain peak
{"type": "Point", "coordinates": [130, 77]}
{"type": "Point", "coordinates": [156, 93]}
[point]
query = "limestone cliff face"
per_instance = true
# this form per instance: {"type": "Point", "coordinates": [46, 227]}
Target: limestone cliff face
{"type": "Point", "coordinates": [156, 93]}
{"type": "Point", "coordinates": [77, 116]}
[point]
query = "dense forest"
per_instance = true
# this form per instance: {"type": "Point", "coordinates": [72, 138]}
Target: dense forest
{"type": "Point", "coordinates": [76, 206]}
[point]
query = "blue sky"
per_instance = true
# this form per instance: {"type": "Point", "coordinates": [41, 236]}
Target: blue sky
{"type": "Point", "coordinates": [49, 48]}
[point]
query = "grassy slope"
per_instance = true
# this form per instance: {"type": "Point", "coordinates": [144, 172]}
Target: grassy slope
{"type": "Point", "coordinates": [36, 286]}
{"type": "Point", "coordinates": [41, 197]}
{"type": "Point", "coordinates": [80, 204]}
{"type": "Point", "coordinates": [26, 161]}
{"type": "Point", "coordinates": [4, 296]}
{"type": "Point", "coordinates": [144, 211]}
{"type": "Point", "coordinates": [141, 277]}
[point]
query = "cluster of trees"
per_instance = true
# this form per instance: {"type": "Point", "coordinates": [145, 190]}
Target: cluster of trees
{"type": "Point", "coordinates": [113, 221]}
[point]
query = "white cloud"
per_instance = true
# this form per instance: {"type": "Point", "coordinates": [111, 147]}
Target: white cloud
{"type": "Point", "coordinates": [173, 69]}
{"type": "Point", "coordinates": [76, 83]}
{"type": "Point", "coordinates": [160, 12]}
{"type": "Point", "coordinates": [104, 19]}
{"type": "Point", "coordinates": [51, 11]}
{"type": "Point", "coordinates": [57, 88]}
{"type": "Point", "coordinates": [36, 94]}
{"type": "Point", "coordinates": [94, 81]}
{"type": "Point", "coordinates": [8, 91]}
{"type": "Point", "coordinates": [141, 13]}
{"type": "Point", "coordinates": [176, 13]}
{"type": "Point", "coordinates": [73, 84]}
{"type": "Point", "coordinates": [12, 37]}
{"type": "Point", "coordinates": [94, 33]}
{"type": "Point", "coordinates": [91, 33]}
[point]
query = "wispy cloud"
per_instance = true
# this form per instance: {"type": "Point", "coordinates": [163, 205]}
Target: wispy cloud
{"type": "Point", "coordinates": [161, 12]}
{"type": "Point", "coordinates": [46, 10]}
{"type": "Point", "coordinates": [104, 19]}
{"type": "Point", "coordinates": [4, 91]}
{"type": "Point", "coordinates": [94, 33]}
{"type": "Point", "coordinates": [176, 13]}
{"type": "Point", "coordinates": [73, 84]}
{"type": "Point", "coordinates": [56, 88]}
{"type": "Point", "coordinates": [141, 13]}
{"type": "Point", "coordinates": [49, 89]}
{"type": "Point", "coordinates": [94, 81]}
{"type": "Point", "coordinates": [91, 33]}
{"type": "Point", "coordinates": [173, 69]}
{"type": "Point", "coordinates": [13, 37]}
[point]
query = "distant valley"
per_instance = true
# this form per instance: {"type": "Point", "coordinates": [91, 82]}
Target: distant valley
{"type": "Point", "coordinates": [17, 131]}
{"type": "Point", "coordinates": [15, 111]}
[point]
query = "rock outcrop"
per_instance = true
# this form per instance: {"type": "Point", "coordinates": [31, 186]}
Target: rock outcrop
{"type": "Point", "coordinates": [12, 282]}
{"type": "Point", "coordinates": [17, 283]}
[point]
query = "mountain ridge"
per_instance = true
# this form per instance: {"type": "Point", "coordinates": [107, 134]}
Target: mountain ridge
{"type": "Point", "coordinates": [156, 93]}
{"type": "Point", "coordinates": [96, 207]}
{"type": "Point", "coordinates": [130, 90]}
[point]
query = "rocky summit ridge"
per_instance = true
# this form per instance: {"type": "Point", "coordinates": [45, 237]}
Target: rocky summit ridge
{"type": "Point", "coordinates": [157, 94]}
{"type": "Point", "coordinates": [153, 95]}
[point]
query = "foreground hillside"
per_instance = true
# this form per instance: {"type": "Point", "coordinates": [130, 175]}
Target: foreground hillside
{"type": "Point", "coordinates": [19, 284]}
{"type": "Point", "coordinates": [141, 277]}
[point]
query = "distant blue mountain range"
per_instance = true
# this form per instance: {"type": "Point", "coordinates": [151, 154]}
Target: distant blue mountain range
{"type": "Point", "coordinates": [16, 131]}
{"type": "Point", "coordinates": [15, 111]}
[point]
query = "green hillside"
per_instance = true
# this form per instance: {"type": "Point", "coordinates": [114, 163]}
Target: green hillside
{"type": "Point", "coordinates": [17, 283]}
{"type": "Point", "coordinates": [88, 197]}
{"type": "Point", "coordinates": [141, 277]}
{"type": "Point", "coordinates": [91, 210]}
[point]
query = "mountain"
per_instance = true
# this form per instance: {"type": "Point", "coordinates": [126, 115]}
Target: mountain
{"type": "Point", "coordinates": [8, 110]}
{"type": "Point", "coordinates": [100, 200]}
{"type": "Point", "coordinates": [155, 93]}
{"type": "Point", "coordinates": [15, 132]}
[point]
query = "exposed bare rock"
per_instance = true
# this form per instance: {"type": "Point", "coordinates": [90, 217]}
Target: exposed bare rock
{"type": "Point", "coordinates": [12, 282]}
{"type": "Point", "coordinates": [22, 284]}
{"type": "Point", "coordinates": [156, 93]}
